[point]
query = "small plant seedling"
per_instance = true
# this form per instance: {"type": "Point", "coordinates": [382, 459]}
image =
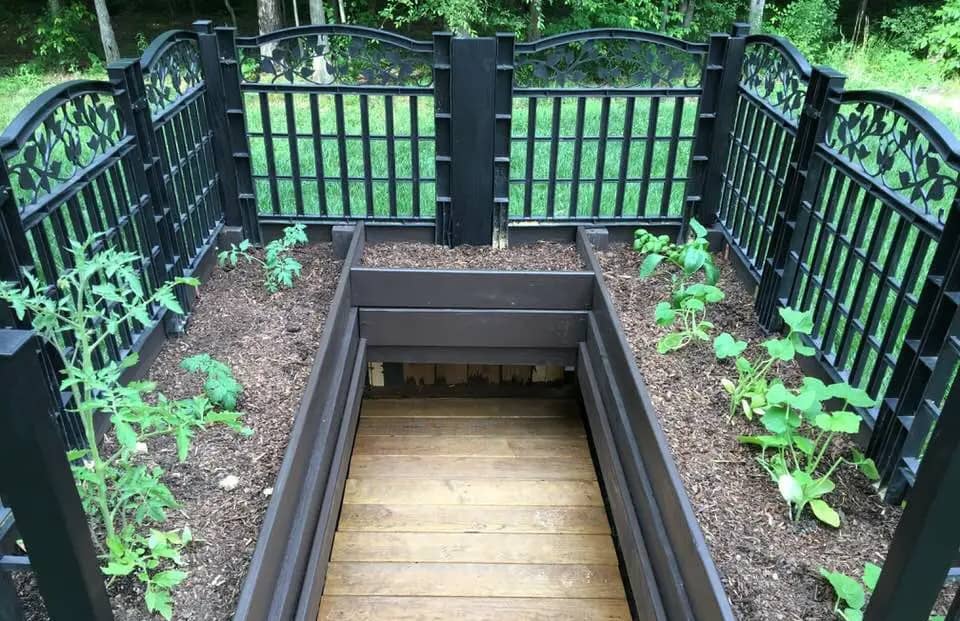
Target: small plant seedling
{"type": "Point", "coordinates": [280, 269]}
{"type": "Point", "coordinates": [686, 311]}
{"type": "Point", "coordinates": [850, 593]}
{"type": "Point", "coordinates": [125, 498]}
{"type": "Point", "coordinates": [749, 392]}
{"type": "Point", "coordinates": [221, 387]}
{"type": "Point", "coordinates": [800, 431]}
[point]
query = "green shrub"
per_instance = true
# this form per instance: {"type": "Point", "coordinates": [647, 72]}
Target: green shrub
{"type": "Point", "coordinates": [810, 24]}
{"type": "Point", "coordinates": [63, 40]}
{"type": "Point", "coordinates": [906, 27]}
{"type": "Point", "coordinates": [943, 42]}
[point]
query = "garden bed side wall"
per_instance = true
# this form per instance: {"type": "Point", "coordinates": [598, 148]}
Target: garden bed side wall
{"type": "Point", "coordinates": [493, 317]}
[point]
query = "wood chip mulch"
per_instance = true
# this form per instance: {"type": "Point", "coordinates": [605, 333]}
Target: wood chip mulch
{"type": "Point", "coordinates": [541, 256]}
{"type": "Point", "coordinates": [269, 341]}
{"type": "Point", "coordinates": [768, 563]}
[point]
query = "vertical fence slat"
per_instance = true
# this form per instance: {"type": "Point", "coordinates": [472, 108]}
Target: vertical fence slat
{"type": "Point", "coordinates": [365, 154]}
{"type": "Point", "coordinates": [599, 171]}
{"type": "Point", "coordinates": [531, 154]}
{"type": "Point", "coordinates": [415, 157]}
{"type": "Point", "coordinates": [669, 170]}
{"type": "Point", "coordinates": [318, 163]}
{"type": "Point", "coordinates": [293, 142]}
{"type": "Point", "coordinates": [342, 153]}
{"type": "Point", "coordinates": [577, 158]}
{"type": "Point", "coordinates": [391, 156]}
{"type": "Point", "coordinates": [555, 116]}
{"type": "Point", "coordinates": [269, 153]}
{"type": "Point", "coordinates": [648, 150]}
{"type": "Point", "coordinates": [628, 111]}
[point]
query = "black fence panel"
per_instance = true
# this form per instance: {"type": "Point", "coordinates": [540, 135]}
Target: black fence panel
{"type": "Point", "coordinates": [603, 125]}
{"type": "Point", "coordinates": [340, 122]}
{"type": "Point", "coordinates": [769, 100]}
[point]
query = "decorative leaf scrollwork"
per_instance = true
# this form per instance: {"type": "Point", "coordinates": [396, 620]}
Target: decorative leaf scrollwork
{"type": "Point", "coordinates": [336, 59]}
{"type": "Point", "coordinates": [174, 73]}
{"type": "Point", "coordinates": [614, 63]}
{"type": "Point", "coordinates": [896, 154]}
{"type": "Point", "coordinates": [770, 76]}
{"type": "Point", "coordinates": [67, 141]}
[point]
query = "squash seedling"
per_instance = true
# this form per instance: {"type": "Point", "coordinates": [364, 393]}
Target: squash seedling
{"type": "Point", "coordinates": [852, 594]}
{"type": "Point", "coordinates": [686, 311]}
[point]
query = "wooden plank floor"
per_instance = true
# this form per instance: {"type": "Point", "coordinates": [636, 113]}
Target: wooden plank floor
{"type": "Point", "coordinates": [473, 509]}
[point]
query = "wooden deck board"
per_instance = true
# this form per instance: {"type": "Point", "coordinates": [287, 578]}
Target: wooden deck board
{"type": "Point", "coordinates": [478, 509]}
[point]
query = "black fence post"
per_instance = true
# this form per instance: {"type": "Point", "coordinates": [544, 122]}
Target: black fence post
{"type": "Point", "coordinates": [473, 68]}
{"type": "Point", "coordinates": [924, 368]}
{"type": "Point", "coordinates": [239, 144]}
{"type": "Point", "coordinates": [503, 114]}
{"type": "Point", "coordinates": [37, 484]}
{"type": "Point", "coordinates": [131, 94]}
{"type": "Point", "coordinates": [441, 120]}
{"type": "Point", "coordinates": [718, 106]}
{"type": "Point", "coordinates": [800, 183]}
{"type": "Point", "coordinates": [217, 107]}
{"type": "Point", "coordinates": [925, 543]}
{"type": "Point", "coordinates": [14, 249]}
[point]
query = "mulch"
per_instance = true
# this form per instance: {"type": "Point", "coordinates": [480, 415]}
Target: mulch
{"type": "Point", "coordinates": [269, 341]}
{"type": "Point", "coordinates": [768, 563]}
{"type": "Point", "coordinates": [540, 256]}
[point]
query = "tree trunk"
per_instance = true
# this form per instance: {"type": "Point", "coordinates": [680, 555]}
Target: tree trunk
{"type": "Point", "coordinates": [268, 20]}
{"type": "Point", "coordinates": [860, 23]}
{"type": "Point", "coordinates": [296, 14]}
{"type": "Point", "coordinates": [343, 12]}
{"type": "Point", "coordinates": [54, 7]}
{"type": "Point", "coordinates": [319, 16]}
{"type": "Point", "coordinates": [756, 14]}
{"type": "Point", "coordinates": [688, 11]}
{"type": "Point", "coordinates": [110, 49]}
{"type": "Point", "coordinates": [233, 13]}
{"type": "Point", "coordinates": [533, 28]}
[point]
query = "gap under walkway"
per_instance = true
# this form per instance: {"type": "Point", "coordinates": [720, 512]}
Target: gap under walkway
{"type": "Point", "coordinates": [474, 509]}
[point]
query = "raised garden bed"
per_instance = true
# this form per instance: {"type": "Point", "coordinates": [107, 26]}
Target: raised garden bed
{"type": "Point", "coordinates": [269, 341]}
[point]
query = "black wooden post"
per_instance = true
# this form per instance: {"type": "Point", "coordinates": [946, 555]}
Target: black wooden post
{"type": "Point", "coordinates": [217, 113]}
{"type": "Point", "coordinates": [503, 112]}
{"type": "Point", "coordinates": [800, 183]}
{"type": "Point", "coordinates": [36, 482]}
{"type": "Point", "coordinates": [442, 122]}
{"type": "Point", "coordinates": [926, 540]}
{"type": "Point", "coordinates": [718, 107]}
{"type": "Point", "coordinates": [924, 367]}
{"type": "Point", "coordinates": [236, 125]}
{"type": "Point", "coordinates": [131, 94]}
{"type": "Point", "coordinates": [473, 68]}
{"type": "Point", "coordinates": [14, 250]}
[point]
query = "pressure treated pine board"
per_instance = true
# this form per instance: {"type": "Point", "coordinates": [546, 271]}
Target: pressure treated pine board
{"type": "Point", "coordinates": [379, 608]}
{"type": "Point", "coordinates": [481, 509]}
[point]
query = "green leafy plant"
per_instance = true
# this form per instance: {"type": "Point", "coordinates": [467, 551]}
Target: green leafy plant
{"type": "Point", "coordinates": [97, 298]}
{"type": "Point", "coordinates": [850, 593]}
{"type": "Point", "coordinates": [943, 40]}
{"type": "Point", "coordinates": [61, 40]}
{"type": "Point", "coordinates": [220, 386]}
{"type": "Point", "coordinates": [748, 393]}
{"type": "Point", "coordinates": [800, 431]}
{"type": "Point", "coordinates": [279, 267]}
{"type": "Point", "coordinates": [693, 284]}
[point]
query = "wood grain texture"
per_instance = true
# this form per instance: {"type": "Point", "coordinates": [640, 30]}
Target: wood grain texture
{"type": "Point", "coordinates": [473, 509]}
{"type": "Point", "coordinates": [472, 492]}
{"type": "Point", "coordinates": [474, 580]}
{"type": "Point", "coordinates": [474, 548]}
{"type": "Point", "coordinates": [378, 608]}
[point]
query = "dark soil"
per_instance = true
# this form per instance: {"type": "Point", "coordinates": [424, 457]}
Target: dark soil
{"type": "Point", "coordinates": [269, 341]}
{"type": "Point", "coordinates": [768, 563]}
{"type": "Point", "coordinates": [541, 256]}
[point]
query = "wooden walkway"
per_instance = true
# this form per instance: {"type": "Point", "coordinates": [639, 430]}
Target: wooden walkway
{"type": "Point", "coordinates": [473, 509]}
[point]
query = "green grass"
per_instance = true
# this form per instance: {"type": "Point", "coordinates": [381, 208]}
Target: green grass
{"type": "Point", "coordinates": [16, 91]}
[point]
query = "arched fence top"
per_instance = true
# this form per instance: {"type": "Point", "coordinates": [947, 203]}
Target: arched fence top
{"type": "Point", "coordinates": [609, 58]}
{"type": "Point", "coordinates": [172, 69]}
{"type": "Point", "coordinates": [901, 145]}
{"type": "Point", "coordinates": [646, 36]}
{"type": "Point", "coordinates": [775, 71]}
{"type": "Point", "coordinates": [314, 30]}
{"type": "Point", "coordinates": [58, 136]}
{"type": "Point", "coordinates": [335, 54]}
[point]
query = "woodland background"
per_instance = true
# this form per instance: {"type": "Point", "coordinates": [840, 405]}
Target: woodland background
{"type": "Point", "coordinates": [908, 47]}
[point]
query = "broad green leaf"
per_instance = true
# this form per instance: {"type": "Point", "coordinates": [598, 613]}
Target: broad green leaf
{"type": "Point", "coordinates": [664, 314]}
{"type": "Point", "coordinates": [847, 589]}
{"type": "Point", "coordinates": [694, 304]}
{"type": "Point", "coordinates": [169, 578]}
{"type": "Point", "coordinates": [790, 489]}
{"type": "Point", "coordinates": [725, 346]}
{"type": "Point", "coordinates": [698, 229]}
{"type": "Point", "coordinates": [159, 602]}
{"type": "Point", "coordinates": [869, 469]}
{"type": "Point", "coordinates": [774, 420]}
{"type": "Point", "coordinates": [126, 435]}
{"type": "Point", "coordinates": [780, 349]}
{"type": "Point", "coordinates": [851, 614]}
{"type": "Point", "coordinates": [802, 348]}
{"type": "Point", "coordinates": [853, 396]}
{"type": "Point", "coordinates": [693, 259]}
{"type": "Point", "coordinates": [743, 365]}
{"type": "Point", "coordinates": [825, 512]}
{"type": "Point", "coordinates": [116, 568]}
{"type": "Point", "coordinates": [710, 272]}
{"type": "Point", "coordinates": [819, 487]}
{"type": "Point", "coordinates": [670, 342]}
{"type": "Point", "coordinates": [871, 573]}
{"type": "Point", "coordinates": [778, 393]}
{"type": "Point", "coordinates": [804, 445]}
{"type": "Point", "coordinates": [650, 264]}
{"type": "Point", "coordinates": [798, 321]}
